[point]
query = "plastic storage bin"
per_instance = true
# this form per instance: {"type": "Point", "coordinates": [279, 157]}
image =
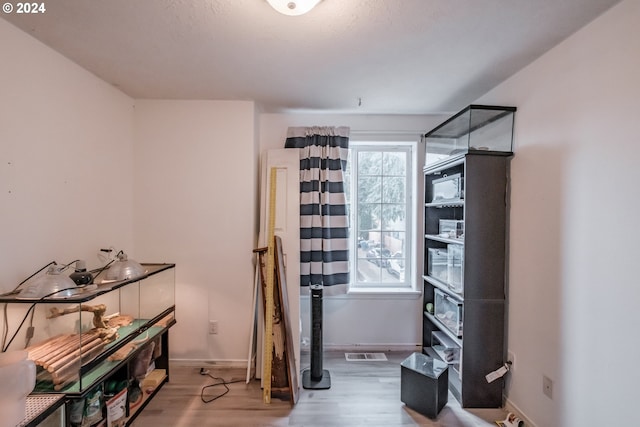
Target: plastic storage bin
{"type": "Point", "coordinates": [448, 311]}
{"type": "Point", "coordinates": [451, 228]}
{"type": "Point", "coordinates": [455, 267]}
{"type": "Point", "coordinates": [424, 384]}
{"type": "Point", "coordinates": [437, 264]}
{"type": "Point", "coordinates": [445, 348]}
{"type": "Point", "coordinates": [17, 379]}
{"type": "Point", "coordinates": [447, 188]}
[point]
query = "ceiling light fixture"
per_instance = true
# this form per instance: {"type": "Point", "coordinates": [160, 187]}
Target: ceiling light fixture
{"type": "Point", "coordinates": [293, 8]}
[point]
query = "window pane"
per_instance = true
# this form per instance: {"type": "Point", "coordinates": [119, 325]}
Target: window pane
{"type": "Point", "coordinates": [395, 262]}
{"type": "Point", "coordinates": [369, 270]}
{"type": "Point", "coordinates": [395, 163]}
{"type": "Point", "coordinates": [369, 163]}
{"type": "Point", "coordinates": [393, 190]}
{"type": "Point", "coordinates": [369, 218]}
{"type": "Point", "coordinates": [393, 217]}
{"type": "Point", "coordinates": [395, 268]}
{"type": "Point", "coordinates": [395, 243]}
{"type": "Point", "coordinates": [369, 189]}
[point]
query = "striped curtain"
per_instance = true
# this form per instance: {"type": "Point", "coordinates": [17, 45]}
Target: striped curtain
{"type": "Point", "coordinates": [324, 220]}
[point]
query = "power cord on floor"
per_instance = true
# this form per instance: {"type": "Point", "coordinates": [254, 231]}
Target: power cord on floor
{"type": "Point", "coordinates": [222, 382]}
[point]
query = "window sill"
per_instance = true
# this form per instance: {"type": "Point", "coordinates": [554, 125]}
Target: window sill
{"type": "Point", "coordinates": [377, 292]}
{"type": "Point", "coordinates": [403, 293]}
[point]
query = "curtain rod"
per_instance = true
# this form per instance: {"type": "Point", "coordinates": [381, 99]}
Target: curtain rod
{"type": "Point", "coordinates": [413, 134]}
{"type": "Point", "coordinates": [387, 132]}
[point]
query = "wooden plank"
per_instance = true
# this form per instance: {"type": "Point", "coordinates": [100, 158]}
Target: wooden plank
{"type": "Point", "coordinates": [292, 372]}
{"type": "Point", "coordinates": [279, 374]}
{"type": "Point", "coordinates": [268, 294]}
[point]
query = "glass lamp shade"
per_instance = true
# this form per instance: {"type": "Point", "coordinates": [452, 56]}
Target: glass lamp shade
{"type": "Point", "coordinates": [293, 7]}
{"type": "Point", "coordinates": [53, 284]}
{"type": "Point", "coordinates": [124, 269]}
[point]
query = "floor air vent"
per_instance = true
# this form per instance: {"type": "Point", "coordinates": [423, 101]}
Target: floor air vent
{"type": "Point", "coordinates": [365, 357]}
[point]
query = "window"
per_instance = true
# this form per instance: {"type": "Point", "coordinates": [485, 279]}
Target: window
{"type": "Point", "coordinates": [379, 180]}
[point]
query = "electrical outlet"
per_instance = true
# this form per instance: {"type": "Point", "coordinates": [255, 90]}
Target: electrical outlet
{"type": "Point", "coordinates": [547, 386]}
{"type": "Point", "coordinates": [213, 327]}
{"type": "Point", "coordinates": [511, 358]}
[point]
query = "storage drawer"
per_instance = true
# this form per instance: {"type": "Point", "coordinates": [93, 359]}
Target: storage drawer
{"type": "Point", "coordinates": [447, 188]}
{"type": "Point", "coordinates": [451, 228]}
{"type": "Point", "coordinates": [437, 264]}
{"type": "Point", "coordinates": [455, 267]}
{"type": "Point", "coordinates": [445, 348]}
{"type": "Point", "coordinates": [448, 311]}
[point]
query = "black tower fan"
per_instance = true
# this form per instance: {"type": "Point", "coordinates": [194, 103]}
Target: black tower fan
{"type": "Point", "coordinates": [316, 378]}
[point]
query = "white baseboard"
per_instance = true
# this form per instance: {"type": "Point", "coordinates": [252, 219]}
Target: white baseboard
{"type": "Point", "coordinates": [366, 348]}
{"type": "Point", "coordinates": [509, 406]}
{"type": "Point", "coordinates": [200, 363]}
{"type": "Point", "coordinates": [242, 363]}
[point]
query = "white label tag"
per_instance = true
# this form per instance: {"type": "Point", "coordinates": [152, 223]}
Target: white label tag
{"type": "Point", "coordinates": [498, 373]}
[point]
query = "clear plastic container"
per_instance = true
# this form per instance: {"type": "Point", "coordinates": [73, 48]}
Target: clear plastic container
{"type": "Point", "coordinates": [455, 267]}
{"type": "Point", "coordinates": [448, 311]}
{"type": "Point", "coordinates": [437, 264]}
{"type": "Point", "coordinates": [17, 380]}
{"type": "Point", "coordinates": [451, 228]}
{"type": "Point", "coordinates": [447, 188]}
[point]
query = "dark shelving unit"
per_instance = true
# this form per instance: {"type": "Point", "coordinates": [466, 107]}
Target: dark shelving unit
{"type": "Point", "coordinates": [474, 145]}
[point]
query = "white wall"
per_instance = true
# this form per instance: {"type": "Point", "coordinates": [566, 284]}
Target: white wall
{"type": "Point", "coordinates": [195, 188]}
{"type": "Point", "coordinates": [573, 286]}
{"type": "Point", "coordinates": [369, 321]}
{"type": "Point", "coordinates": [65, 160]}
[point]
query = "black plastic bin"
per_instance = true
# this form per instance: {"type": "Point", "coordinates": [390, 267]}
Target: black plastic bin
{"type": "Point", "coordinates": [424, 384]}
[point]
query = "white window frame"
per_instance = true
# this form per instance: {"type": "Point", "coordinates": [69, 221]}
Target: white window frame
{"type": "Point", "coordinates": [409, 285]}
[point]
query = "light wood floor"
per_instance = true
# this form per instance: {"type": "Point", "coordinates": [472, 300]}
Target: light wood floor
{"type": "Point", "coordinates": [361, 394]}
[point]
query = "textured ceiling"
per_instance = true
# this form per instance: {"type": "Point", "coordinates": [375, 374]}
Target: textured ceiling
{"type": "Point", "coordinates": [397, 56]}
